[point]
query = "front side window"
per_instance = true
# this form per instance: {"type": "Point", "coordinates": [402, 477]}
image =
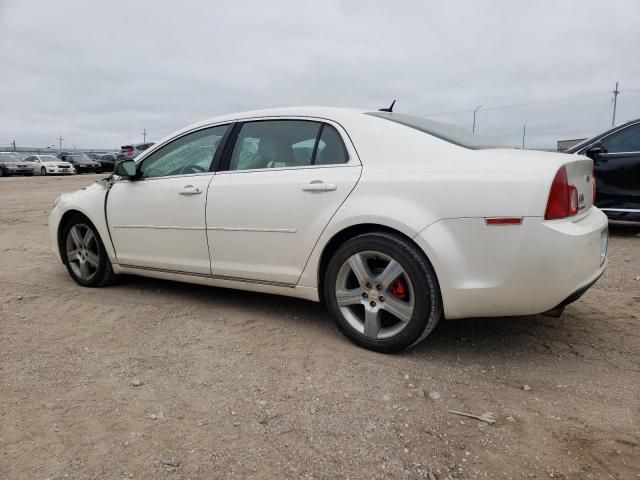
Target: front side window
{"type": "Point", "coordinates": [286, 143]}
{"type": "Point", "coordinates": [192, 153]}
{"type": "Point", "coordinates": [627, 140]}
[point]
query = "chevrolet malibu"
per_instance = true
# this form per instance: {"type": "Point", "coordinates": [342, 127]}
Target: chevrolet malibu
{"type": "Point", "coordinates": [394, 222]}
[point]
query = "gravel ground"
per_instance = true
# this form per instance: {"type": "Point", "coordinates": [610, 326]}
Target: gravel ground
{"type": "Point", "coordinates": [154, 379]}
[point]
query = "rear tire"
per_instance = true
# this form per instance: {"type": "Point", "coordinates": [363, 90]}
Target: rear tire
{"type": "Point", "coordinates": [382, 292]}
{"type": "Point", "coordinates": [83, 253]}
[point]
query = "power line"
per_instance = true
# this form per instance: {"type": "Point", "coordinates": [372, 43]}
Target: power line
{"type": "Point", "coordinates": [524, 104]}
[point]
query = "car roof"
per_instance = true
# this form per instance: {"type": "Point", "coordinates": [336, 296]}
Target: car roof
{"type": "Point", "coordinates": [330, 113]}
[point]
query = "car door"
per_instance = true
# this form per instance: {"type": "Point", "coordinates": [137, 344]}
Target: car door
{"type": "Point", "coordinates": [31, 162]}
{"type": "Point", "coordinates": [618, 171]}
{"type": "Point", "coordinates": [157, 220]}
{"type": "Point", "coordinates": [279, 184]}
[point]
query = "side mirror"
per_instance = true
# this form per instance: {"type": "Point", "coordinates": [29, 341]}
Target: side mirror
{"type": "Point", "coordinates": [126, 169]}
{"type": "Point", "coordinates": [595, 150]}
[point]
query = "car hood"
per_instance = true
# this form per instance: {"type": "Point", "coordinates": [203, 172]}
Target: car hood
{"type": "Point", "coordinates": [14, 164]}
{"type": "Point", "coordinates": [59, 162]}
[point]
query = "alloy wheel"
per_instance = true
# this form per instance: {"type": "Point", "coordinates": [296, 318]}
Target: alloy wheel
{"type": "Point", "coordinates": [82, 251]}
{"type": "Point", "coordinates": [375, 294]}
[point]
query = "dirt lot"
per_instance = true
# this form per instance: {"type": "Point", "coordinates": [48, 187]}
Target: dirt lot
{"type": "Point", "coordinates": [242, 385]}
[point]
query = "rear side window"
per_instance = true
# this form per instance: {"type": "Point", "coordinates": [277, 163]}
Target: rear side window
{"type": "Point", "coordinates": [331, 150]}
{"type": "Point", "coordinates": [286, 143]}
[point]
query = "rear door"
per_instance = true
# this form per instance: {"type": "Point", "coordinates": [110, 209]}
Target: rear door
{"type": "Point", "coordinates": [280, 184]}
{"type": "Point", "coordinates": [618, 172]}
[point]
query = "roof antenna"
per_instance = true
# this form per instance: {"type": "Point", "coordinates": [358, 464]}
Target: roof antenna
{"type": "Point", "coordinates": [389, 109]}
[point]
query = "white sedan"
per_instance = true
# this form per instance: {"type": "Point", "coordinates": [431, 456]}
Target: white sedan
{"type": "Point", "coordinates": [49, 165]}
{"type": "Point", "coordinates": [393, 221]}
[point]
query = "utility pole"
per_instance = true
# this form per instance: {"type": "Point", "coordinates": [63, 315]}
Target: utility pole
{"type": "Point", "coordinates": [615, 102]}
{"type": "Point", "coordinates": [524, 133]}
{"type": "Point", "coordinates": [144, 136]}
{"type": "Point", "coordinates": [473, 129]}
{"type": "Point", "coordinates": [60, 141]}
{"type": "Point", "coordinates": [14, 145]}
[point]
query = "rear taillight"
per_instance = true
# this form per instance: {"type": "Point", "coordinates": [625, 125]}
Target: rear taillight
{"type": "Point", "coordinates": [130, 153]}
{"type": "Point", "coordinates": [563, 198]}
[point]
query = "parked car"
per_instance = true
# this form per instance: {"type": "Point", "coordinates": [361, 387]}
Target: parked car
{"type": "Point", "coordinates": [82, 162]}
{"type": "Point", "coordinates": [393, 221]}
{"type": "Point", "coordinates": [49, 165]}
{"type": "Point", "coordinates": [616, 158]}
{"type": "Point", "coordinates": [107, 162]}
{"type": "Point", "coordinates": [132, 151]}
{"type": "Point", "coordinates": [12, 163]}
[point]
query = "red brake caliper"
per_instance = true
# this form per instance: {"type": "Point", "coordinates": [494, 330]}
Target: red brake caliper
{"type": "Point", "coordinates": [399, 289]}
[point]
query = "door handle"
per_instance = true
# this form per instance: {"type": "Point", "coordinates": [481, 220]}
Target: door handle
{"type": "Point", "coordinates": [319, 186]}
{"type": "Point", "coordinates": [190, 190]}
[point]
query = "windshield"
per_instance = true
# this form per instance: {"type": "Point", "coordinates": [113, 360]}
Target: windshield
{"type": "Point", "coordinates": [49, 158]}
{"type": "Point", "coordinates": [10, 157]}
{"type": "Point", "coordinates": [80, 158]}
{"type": "Point", "coordinates": [448, 133]}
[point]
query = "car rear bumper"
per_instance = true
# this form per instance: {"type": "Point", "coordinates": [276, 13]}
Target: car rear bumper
{"type": "Point", "coordinates": [525, 269]}
{"type": "Point", "coordinates": [86, 170]}
{"type": "Point", "coordinates": [60, 171]}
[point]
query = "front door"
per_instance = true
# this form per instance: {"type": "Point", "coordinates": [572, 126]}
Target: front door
{"type": "Point", "coordinates": [618, 173]}
{"type": "Point", "coordinates": [158, 220]}
{"type": "Point", "coordinates": [278, 188]}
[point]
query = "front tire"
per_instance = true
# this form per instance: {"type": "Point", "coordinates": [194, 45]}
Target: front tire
{"type": "Point", "coordinates": [43, 171]}
{"type": "Point", "coordinates": [84, 254]}
{"type": "Point", "coordinates": [382, 292]}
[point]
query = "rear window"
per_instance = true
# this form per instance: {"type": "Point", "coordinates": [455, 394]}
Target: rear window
{"type": "Point", "coordinates": [126, 148]}
{"type": "Point", "coordinates": [448, 133]}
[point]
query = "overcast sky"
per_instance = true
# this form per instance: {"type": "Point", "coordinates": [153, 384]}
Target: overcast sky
{"type": "Point", "coordinates": [98, 73]}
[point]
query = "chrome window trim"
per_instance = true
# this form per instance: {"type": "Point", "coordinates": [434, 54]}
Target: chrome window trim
{"type": "Point", "coordinates": [629, 210]}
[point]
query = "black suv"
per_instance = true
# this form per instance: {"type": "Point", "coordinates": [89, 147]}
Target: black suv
{"type": "Point", "coordinates": [81, 161]}
{"type": "Point", "coordinates": [616, 157]}
{"type": "Point", "coordinates": [107, 162]}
